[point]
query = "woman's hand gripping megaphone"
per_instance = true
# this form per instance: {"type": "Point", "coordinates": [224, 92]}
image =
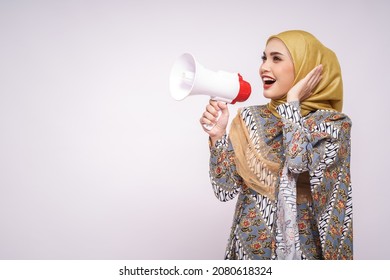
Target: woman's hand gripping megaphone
{"type": "Point", "coordinates": [215, 119]}
{"type": "Point", "coordinates": [188, 77]}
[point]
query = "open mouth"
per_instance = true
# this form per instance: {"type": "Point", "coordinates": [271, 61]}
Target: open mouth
{"type": "Point", "coordinates": [268, 81]}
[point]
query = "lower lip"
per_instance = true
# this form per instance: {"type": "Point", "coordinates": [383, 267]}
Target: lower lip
{"type": "Point", "coordinates": [267, 86]}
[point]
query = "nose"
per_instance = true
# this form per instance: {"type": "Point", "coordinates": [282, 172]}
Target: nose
{"type": "Point", "coordinates": [264, 67]}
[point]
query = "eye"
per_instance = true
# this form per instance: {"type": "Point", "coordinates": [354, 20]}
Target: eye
{"type": "Point", "coordinates": [276, 58]}
{"type": "Point", "coordinates": [263, 58]}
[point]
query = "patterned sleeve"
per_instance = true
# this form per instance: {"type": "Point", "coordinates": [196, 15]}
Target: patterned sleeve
{"type": "Point", "coordinates": [223, 175]}
{"type": "Point", "coordinates": [306, 149]}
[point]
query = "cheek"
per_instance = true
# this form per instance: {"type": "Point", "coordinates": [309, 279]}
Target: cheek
{"type": "Point", "coordinates": [288, 76]}
{"type": "Point", "coordinates": [291, 75]}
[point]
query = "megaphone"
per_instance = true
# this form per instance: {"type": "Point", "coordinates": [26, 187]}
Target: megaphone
{"type": "Point", "coordinates": [188, 77]}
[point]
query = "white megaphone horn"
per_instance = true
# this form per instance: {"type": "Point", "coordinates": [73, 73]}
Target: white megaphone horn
{"type": "Point", "coordinates": [188, 77]}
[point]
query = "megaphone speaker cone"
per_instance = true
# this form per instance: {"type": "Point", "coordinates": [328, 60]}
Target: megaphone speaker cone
{"type": "Point", "coordinates": [188, 77]}
{"type": "Point", "coordinates": [244, 92]}
{"type": "Point", "coordinates": [182, 76]}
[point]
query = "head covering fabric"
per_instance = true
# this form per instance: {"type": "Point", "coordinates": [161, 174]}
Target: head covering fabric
{"type": "Point", "coordinates": [308, 52]}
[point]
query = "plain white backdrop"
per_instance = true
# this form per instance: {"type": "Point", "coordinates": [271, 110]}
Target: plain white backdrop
{"type": "Point", "coordinates": [97, 161]}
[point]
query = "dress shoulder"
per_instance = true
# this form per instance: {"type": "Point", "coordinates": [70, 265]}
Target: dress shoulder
{"type": "Point", "coordinates": [330, 116]}
{"type": "Point", "coordinates": [327, 120]}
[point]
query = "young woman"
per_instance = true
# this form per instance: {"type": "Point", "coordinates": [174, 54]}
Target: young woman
{"type": "Point", "coordinates": [289, 160]}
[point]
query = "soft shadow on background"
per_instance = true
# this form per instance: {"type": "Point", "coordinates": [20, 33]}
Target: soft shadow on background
{"type": "Point", "coordinates": [97, 161]}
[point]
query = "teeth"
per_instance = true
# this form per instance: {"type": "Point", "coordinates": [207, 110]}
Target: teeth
{"type": "Point", "coordinates": [268, 80]}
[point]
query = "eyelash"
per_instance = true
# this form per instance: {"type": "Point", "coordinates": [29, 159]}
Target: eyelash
{"type": "Point", "coordinates": [275, 58]}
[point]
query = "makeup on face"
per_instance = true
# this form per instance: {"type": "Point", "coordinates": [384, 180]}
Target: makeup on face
{"type": "Point", "coordinates": [277, 70]}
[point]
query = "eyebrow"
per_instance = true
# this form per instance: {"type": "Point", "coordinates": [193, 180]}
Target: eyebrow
{"type": "Point", "coordinates": [273, 53]}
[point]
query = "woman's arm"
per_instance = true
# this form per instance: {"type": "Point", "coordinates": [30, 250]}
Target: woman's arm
{"type": "Point", "coordinates": [306, 147]}
{"type": "Point", "coordinates": [223, 174]}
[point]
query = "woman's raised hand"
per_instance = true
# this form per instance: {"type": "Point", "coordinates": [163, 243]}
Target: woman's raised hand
{"type": "Point", "coordinates": [217, 116]}
{"type": "Point", "coordinates": [304, 88]}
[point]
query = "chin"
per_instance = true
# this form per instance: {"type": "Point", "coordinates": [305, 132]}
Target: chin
{"type": "Point", "coordinates": [273, 95]}
{"type": "Point", "coordinates": [269, 95]}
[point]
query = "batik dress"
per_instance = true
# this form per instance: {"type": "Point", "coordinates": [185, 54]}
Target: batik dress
{"type": "Point", "coordinates": [310, 214]}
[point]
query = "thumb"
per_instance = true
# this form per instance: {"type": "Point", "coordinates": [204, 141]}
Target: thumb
{"type": "Point", "coordinates": [222, 106]}
{"type": "Point", "coordinates": [224, 114]}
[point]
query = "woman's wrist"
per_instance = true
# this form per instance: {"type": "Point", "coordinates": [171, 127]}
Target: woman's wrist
{"type": "Point", "coordinates": [214, 139]}
{"type": "Point", "coordinates": [292, 98]}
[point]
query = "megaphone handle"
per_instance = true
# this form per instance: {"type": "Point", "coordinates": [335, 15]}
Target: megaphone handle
{"type": "Point", "coordinates": [211, 126]}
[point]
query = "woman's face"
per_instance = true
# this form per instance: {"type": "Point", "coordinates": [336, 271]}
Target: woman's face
{"type": "Point", "coordinates": [277, 70]}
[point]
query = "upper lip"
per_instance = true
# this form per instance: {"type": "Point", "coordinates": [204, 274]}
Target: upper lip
{"type": "Point", "coordinates": [265, 77]}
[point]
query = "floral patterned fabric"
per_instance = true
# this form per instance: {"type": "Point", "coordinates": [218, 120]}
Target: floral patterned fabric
{"type": "Point", "coordinates": [310, 218]}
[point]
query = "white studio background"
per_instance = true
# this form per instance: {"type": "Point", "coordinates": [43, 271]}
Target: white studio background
{"type": "Point", "coordinates": [97, 161]}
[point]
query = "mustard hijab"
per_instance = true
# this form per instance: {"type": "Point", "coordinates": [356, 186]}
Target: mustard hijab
{"type": "Point", "coordinates": [307, 52]}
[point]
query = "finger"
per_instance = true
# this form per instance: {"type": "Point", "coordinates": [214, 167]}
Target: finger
{"type": "Point", "coordinates": [206, 121]}
{"type": "Point", "coordinates": [310, 88]}
{"type": "Point", "coordinates": [315, 77]}
{"type": "Point", "coordinates": [315, 72]}
{"type": "Point", "coordinates": [212, 110]}
{"type": "Point", "coordinates": [307, 95]}
{"type": "Point", "coordinates": [314, 80]}
{"type": "Point", "coordinates": [222, 106]}
{"type": "Point", "coordinates": [318, 68]}
{"type": "Point", "coordinates": [318, 72]}
{"type": "Point", "coordinates": [214, 103]}
{"type": "Point", "coordinates": [210, 116]}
